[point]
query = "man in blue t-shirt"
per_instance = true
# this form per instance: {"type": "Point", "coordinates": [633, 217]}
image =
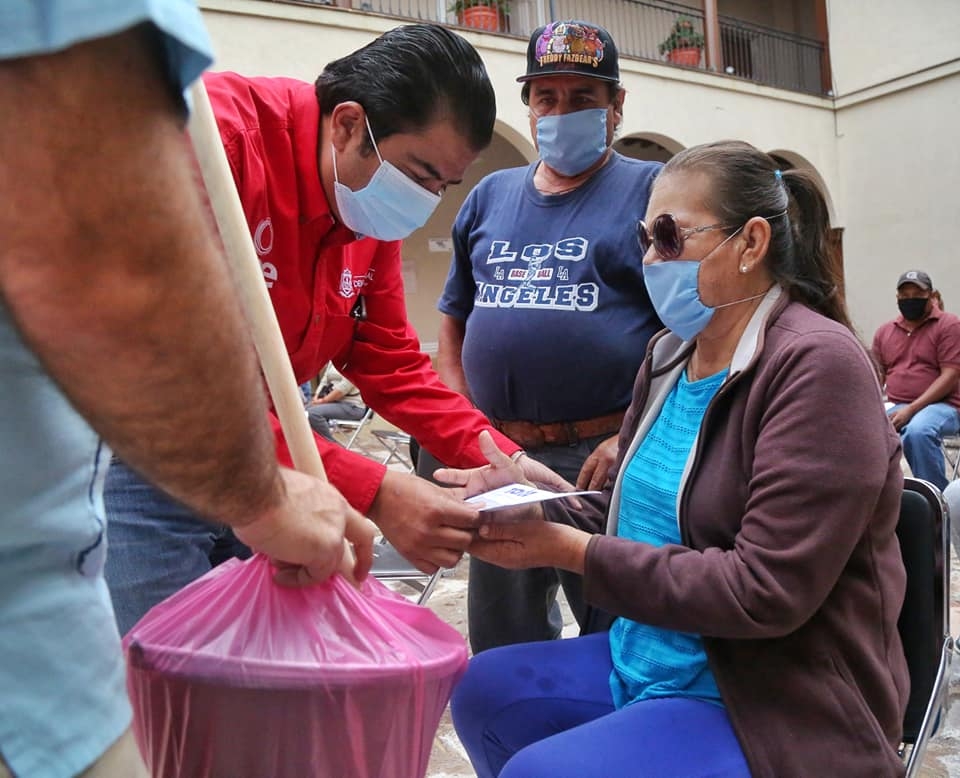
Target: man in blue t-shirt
{"type": "Point", "coordinates": [545, 314]}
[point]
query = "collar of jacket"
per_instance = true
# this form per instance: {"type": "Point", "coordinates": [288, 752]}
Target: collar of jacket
{"type": "Point", "coordinates": [667, 357]}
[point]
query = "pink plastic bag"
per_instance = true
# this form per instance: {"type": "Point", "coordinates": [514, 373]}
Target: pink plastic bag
{"type": "Point", "coordinates": [235, 676]}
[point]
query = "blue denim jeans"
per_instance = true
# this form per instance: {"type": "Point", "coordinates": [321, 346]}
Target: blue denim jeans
{"type": "Point", "coordinates": [922, 437]}
{"type": "Point", "coordinates": [520, 606]}
{"type": "Point", "coordinates": [156, 545]}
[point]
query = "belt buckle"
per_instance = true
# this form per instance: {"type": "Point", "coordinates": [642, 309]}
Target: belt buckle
{"type": "Point", "coordinates": [536, 437]}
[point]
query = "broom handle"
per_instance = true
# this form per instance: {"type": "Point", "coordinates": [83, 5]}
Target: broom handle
{"type": "Point", "coordinates": [274, 360]}
{"type": "Point", "coordinates": [248, 275]}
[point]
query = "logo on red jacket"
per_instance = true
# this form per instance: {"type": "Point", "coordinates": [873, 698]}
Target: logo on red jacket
{"type": "Point", "coordinates": [351, 285]}
{"type": "Point", "coordinates": [263, 237]}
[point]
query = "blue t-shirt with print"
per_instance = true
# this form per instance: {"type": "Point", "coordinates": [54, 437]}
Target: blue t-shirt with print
{"type": "Point", "coordinates": [551, 288]}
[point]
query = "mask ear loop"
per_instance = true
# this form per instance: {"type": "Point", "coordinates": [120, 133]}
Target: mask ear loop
{"type": "Point", "coordinates": [373, 140]}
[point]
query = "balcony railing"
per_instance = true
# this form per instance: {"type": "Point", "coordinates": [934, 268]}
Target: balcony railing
{"type": "Point", "coordinates": [748, 51]}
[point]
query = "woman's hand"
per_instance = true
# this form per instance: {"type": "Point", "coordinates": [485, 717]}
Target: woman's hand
{"type": "Point", "coordinates": [526, 544]}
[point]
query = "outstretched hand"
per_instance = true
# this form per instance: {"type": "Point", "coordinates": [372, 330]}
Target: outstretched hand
{"type": "Point", "coordinates": [501, 471]}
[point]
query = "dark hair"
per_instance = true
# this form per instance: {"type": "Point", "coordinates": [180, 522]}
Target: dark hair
{"type": "Point", "coordinates": [613, 89]}
{"type": "Point", "coordinates": [410, 77]}
{"type": "Point", "coordinates": [745, 182]}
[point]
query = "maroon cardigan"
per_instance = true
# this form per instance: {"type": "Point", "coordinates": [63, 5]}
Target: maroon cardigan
{"type": "Point", "coordinates": [790, 567]}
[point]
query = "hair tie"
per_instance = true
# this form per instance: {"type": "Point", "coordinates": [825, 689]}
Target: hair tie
{"type": "Point", "coordinates": [778, 174]}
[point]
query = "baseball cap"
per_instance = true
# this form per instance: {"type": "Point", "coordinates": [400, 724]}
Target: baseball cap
{"type": "Point", "coordinates": [917, 277]}
{"type": "Point", "coordinates": [572, 48]}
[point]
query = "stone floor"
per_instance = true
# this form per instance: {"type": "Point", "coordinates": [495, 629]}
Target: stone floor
{"type": "Point", "coordinates": [448, 601]}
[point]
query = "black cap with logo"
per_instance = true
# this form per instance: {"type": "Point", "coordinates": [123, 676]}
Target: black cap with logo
{"type": "Point", "coordinates": [572, 48]}
{"type": "Point", "coordinates": [917, 277]}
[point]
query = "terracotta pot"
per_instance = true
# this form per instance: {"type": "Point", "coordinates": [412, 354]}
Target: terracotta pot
{"type": "Point", "coordinates": [482, 17]}
{"type": "Point", "coordinates": [689, 57]}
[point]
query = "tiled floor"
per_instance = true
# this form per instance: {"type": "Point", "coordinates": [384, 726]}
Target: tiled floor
{"type": "Point", "coordinates": [448, 601]}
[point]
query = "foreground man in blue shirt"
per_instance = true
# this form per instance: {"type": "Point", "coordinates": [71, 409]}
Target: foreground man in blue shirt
{"type": "Point", "coordinates": [115, 306]}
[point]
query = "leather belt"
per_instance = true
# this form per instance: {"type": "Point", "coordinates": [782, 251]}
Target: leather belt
{"type": "Point", "coordinates": [561, 433]}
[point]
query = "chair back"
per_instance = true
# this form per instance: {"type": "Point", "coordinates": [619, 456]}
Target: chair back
{"type": "Point", "coordinates": [923, 531]}
{"type": "Point", "coordinates": [918, 625]}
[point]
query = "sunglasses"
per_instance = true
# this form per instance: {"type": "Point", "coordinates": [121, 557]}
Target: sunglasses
{"type": "Point", "coordinates": [667, 236]}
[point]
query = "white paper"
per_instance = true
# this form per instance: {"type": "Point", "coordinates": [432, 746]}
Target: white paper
{"type": "Point", "coordinates": [516, 494]}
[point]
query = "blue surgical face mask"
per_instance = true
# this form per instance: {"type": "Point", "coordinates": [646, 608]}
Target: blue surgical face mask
{"type": "Point", "coordinates": [572, 142]}
{"type": "Point", "coordinates": [389, 207]}
{"type": "Point", "coordinates": [675, 294]}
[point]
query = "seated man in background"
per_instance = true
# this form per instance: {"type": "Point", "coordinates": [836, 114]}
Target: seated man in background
{"type": "Point", "coordinates": [918, 354]}
{"type": "Point", "coordinates": [335, 398]}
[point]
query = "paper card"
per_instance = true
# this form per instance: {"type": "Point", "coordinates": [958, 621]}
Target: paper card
{"type": "Point", "coordinates": [516, 494]}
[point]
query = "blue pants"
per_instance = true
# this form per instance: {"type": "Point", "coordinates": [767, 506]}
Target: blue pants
{"type": "Point", "coordinates": [544, 710]}
{"type": "Point", "coordinates": [922, 437]}
{"type": "Point", "coordinates": [156, 546]}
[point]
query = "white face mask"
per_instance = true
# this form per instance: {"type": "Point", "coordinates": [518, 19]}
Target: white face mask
{"type": "Point", "coordinates": [389, 207]}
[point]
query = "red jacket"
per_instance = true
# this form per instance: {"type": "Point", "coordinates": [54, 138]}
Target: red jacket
{"type": "Point", "coordinates": [316, 271]}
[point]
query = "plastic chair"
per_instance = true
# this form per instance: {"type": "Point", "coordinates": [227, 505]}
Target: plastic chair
{"type": "Point", "coordinates": [390, 565]}
{"type": "Point", "coordinates": [355, 427]}
{"type": "Point", "coordinates": [924, 625]}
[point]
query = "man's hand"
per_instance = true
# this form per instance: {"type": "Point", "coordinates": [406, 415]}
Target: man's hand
{"type": "Point", "coordinates": [304, 534]}
{"type": "Point", "coordinates": [501, 471]}
{"type": "Point", "coordinates": [900, 418]}
{"type": "Point", "coordinates": [596, 468]}
{"type": "Point", "coordinates": [426, 523]}
{"type": "Point", "coordinates": [541, 475]}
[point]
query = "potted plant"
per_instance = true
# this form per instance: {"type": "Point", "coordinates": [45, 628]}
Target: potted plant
{"type": "Point", "coordinates": [482, 14]}
{"type": "Point", "coordinates": [684, 43]}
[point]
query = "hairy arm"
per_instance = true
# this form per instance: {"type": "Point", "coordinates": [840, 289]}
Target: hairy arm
{"type": "Point", "coordinates": [113, 274]}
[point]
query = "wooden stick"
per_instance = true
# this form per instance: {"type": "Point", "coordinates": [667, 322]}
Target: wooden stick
{"type": "Point", "coordinates": [248, 275]}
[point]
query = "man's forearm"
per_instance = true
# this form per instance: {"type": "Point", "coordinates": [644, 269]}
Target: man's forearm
{"type": "Point", "coordinates": [449, 354]}
{"type": "Point", "coordinates": [942, 387]}
{"type": "Point", "coordinates": [121, 289]}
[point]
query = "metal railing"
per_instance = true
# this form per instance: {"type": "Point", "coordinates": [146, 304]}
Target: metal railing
{"type": "Point", "coordinates": [749, 51]}
{"type": "Point", "coordinates": [771, 57]}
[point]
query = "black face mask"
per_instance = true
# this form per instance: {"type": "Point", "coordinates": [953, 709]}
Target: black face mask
{"type": "Point", "coordinates": [913, 308]}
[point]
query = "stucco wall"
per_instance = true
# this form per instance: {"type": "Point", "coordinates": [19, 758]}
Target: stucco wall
{"type": "Point", "coordinates": [874, 41]}
{"type": "Point", "coordinates": [885, 148]}
{"type": "Point", "coordinates": [897, 74]}
{"type": "Point", "coordinates": [900, 184]}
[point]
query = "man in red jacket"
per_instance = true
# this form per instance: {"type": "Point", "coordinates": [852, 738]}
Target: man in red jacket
{"type": "Point", "coordinates": [331, 177]}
